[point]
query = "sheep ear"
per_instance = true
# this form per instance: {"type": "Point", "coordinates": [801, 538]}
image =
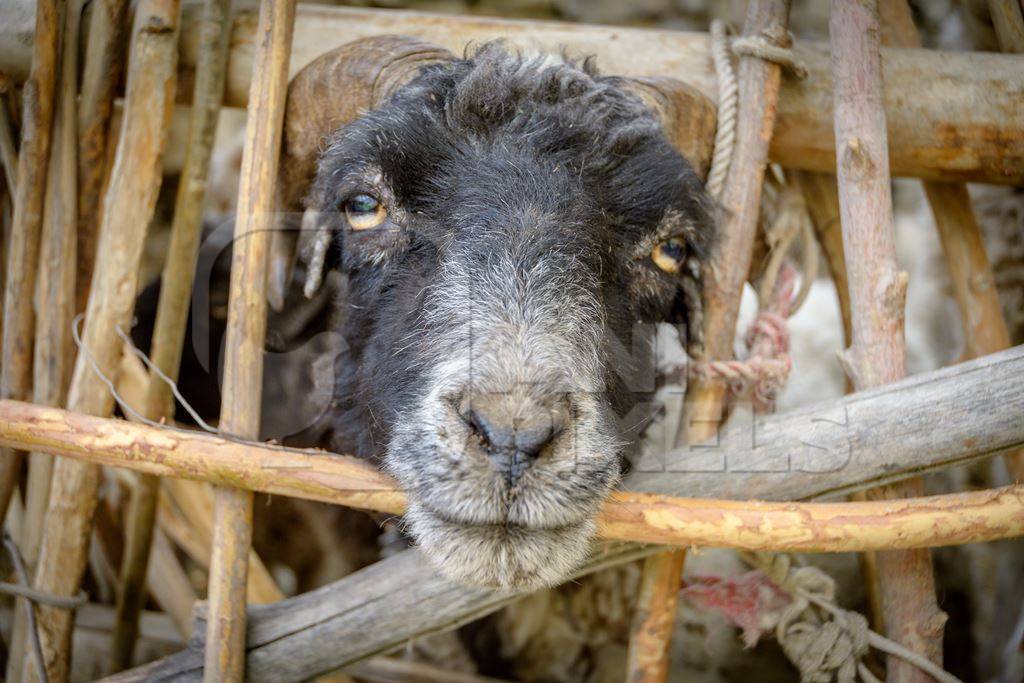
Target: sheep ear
{"type": "Point", "coordinates": [688, 117]}
{"type": "Point", "coordinates": [329, 93]}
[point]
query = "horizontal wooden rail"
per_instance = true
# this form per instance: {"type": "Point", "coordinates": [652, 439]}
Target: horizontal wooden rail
{"type": "Point", "coordinates": [977, 407]}
{"type": "Point", "coordinates": [951, 116]}
{"type": "Point", "coordinates": [646, 518]}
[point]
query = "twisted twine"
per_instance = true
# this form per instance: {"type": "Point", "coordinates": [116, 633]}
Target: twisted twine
{"type": "Point", "coordinates": [824, 641]}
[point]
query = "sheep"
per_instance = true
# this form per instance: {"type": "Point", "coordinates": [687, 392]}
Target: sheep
{"type": "Point", "coordinates": [510, 228]}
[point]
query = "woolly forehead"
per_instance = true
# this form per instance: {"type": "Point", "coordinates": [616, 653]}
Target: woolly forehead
{"type": "Point", "coordinates": [501, 129]}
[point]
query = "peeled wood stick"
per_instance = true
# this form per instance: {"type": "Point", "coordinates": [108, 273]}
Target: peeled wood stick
{"type": "Point", "coordinates": [651, 631]}
{"type": "Point", "coordinates": [877, 296]}
{"type": "Point", "coordinates": [723, 277]}
{"type": "Point", "coordinates": [647, 518]}
{"type": "Point", "coordinates": [247, 319]}
{"type": "Point", "coordinates": [172, 314]}
{"type": "Point", "coordinates": [23, 248]}
{"type": "Point", "coordinates": [129, 205]}
{"type": "Point", "coordinates": [101, 74]}
{"type": "Point", "coordinates": [55, 295]}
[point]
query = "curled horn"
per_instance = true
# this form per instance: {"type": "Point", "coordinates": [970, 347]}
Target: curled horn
{"type": "Point", "coordinates": [687, 116]}
{"type": "Point", "coordinates": [328, 93]}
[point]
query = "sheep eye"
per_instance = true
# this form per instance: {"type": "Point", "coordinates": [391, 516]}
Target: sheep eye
{"type": "Point", "coordinates": [364, 212]}
{"type": "Point", "coordinates": [669, 255]}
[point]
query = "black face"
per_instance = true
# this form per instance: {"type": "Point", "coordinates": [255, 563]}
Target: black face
{"type": "Point", "coordinates": [505, 224]}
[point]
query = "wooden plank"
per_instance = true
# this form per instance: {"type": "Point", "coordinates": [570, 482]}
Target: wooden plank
{"type": "Point", "coordinates": [246, 328]}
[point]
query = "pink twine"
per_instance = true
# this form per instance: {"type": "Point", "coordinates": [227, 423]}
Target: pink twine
{"type": "Point", "coordinates": [766, 368]}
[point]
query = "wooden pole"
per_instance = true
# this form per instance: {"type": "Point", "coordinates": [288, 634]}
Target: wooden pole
{"type": "Point", "coordinates": [172, 315]}
{"type": "Point", "coordinates": [976, 405]}
{"type": "Point", "coordinates": [723, 284]}
{"type": "Point", "coordinates": [23, 247]}
{"type": "Point", "coordinates": [877, 295]}
{"type": "Point", "coordinates": [651, 631]}
{"type": "Point", "coordinates": [627, 516]}
{"type": "Point", "coordinates": [952, 116]}
{"type": "Point", "coordinates": [101, 75]}
{"type": "Point", "coordinates": [247, 317]}
{"type": "Point", "coordinates": [55, 295]}
{"type": "Point", "coordinates": [8, 152]}
{"type": "Point", "coordinates": [129, 204]}
{"type": "Point", "coordinates": [1008, 21]}
{"type": "Point", "coordinates": [974, 287]}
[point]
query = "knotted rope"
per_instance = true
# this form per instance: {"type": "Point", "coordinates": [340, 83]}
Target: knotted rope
{"type": "Point", "coordinates": [824, 641]}
{"type": "Point", "coordinates": [766, 368]}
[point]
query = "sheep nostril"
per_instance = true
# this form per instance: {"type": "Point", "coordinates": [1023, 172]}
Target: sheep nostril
{"type": "Point", "coordinates": [513, 436]}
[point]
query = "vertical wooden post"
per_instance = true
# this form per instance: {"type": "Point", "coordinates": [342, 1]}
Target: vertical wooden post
{"type": "Point", "coordinates": [247, 318]}
{"type": "Point", "coordinates": [128, 208]}
{"type": "Point", "coordinates": [172, 313]}
{"type": "Point", "coordinates": [724, 277]}
{"type": "Point", "coordinates": [101, 74]}
{"type": "Point", "coordinates": [1008, 21]}
{"type": "Point", "coordinates": [877, 297]}
{"type": "Point", "coordinates": [651, 631]}
{"type": "Point", "coordinates": [23, 248]}
{"type": "Point", "coordinates": [55, 295]}
{"type": "Point", "coordinates": [974, 287]}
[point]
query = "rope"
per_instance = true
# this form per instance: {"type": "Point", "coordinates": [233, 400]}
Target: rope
{"type": "Point", "coordinates": [763, 48]}
{"type": "Point", "coordinates": [767, 366]}
{"type": "Point", "coordinates": [824, 641]}
{"type": "Point", "coordinates": [728, 105]}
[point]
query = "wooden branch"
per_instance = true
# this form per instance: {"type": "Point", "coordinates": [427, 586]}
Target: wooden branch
{"type": "Point", "coordinates": [129, 205]}
{"type": "Point", "coordinates": [723, 279]}
{"type": "Point", "coordinates": [8, 152]}
{"type": "Point", "coordinates": [650, 634]}
{"type": "Point", "coordinates": [627, 516]}
{"type": "Point", "coordinates": [55, 295]}
{"type": "Point", "coordinates": [247, 318]}
{"type": "Point", "coordinates": [1008, 21]}
{"type": "Point", "coordinates": [195, 501]}
{"type": "Point", "coordinates": [877, 296]}
{"type": "Point", "coordinates": [822, 197]}
{"type": "Point", "coordinates": [968, 130]}
{"type": "Point", "coordinates": [939, 419]}
{"type": "Point", "coordinates": [101, 75]}
{"type": "Point", "coordinates": [170, 586]}
{"type": "Point", "coordinates": [953, 116]}
{"type": "Point", "coordinates": [23, 248]}
{"type": "Point", "coordinates": [172, 314]}
{"type": "Point", "coordinates": [402, 597]}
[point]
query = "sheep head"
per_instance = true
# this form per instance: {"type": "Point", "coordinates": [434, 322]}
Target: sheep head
{"type": "Point", "coordinates": [509, 228]}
